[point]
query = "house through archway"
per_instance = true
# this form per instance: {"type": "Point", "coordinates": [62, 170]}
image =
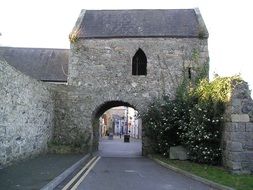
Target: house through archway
{"type": "Point", "coordinates": [117, 130]}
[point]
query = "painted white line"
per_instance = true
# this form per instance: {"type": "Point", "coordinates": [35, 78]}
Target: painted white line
{"type": "Point", "coordinates": [78, 174]}
{"type": "Point", "coordinates": [84, 175]}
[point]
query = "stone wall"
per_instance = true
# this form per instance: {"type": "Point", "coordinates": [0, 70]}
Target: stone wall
{"type": "Point", "coordinates": [26, 115]}
{"type": "Point", "coordinates": [101, 69]}
{"type": "Point", "coordinates": [100, 77]}
{"type": "Point", "coordinates": [71, 118]}
{"type": "Point", "coordinates": [107, 63]}
{"type": "Point", "coordinates": [238, 132]}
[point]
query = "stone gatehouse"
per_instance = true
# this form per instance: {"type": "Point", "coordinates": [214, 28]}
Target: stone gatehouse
{"type": "Point", "coordinates": [117, 58]}
{"type": "Point", "coordinates": [129, 57]}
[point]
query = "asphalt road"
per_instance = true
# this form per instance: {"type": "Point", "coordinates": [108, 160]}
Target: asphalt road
{"type": "Point", "coordinates": [127, 170]}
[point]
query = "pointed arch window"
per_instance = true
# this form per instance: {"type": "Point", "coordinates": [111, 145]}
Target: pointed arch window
{"type": "Point", "coordinates": [139, 63]}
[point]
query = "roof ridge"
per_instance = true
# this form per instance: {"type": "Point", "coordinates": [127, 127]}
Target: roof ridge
{"type": "Point", "coordinates": [138, 23]}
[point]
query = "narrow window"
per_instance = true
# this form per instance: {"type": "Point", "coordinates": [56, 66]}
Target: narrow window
{"type": "Point", "coordinates": [139, 63]}
{"type": "Point", "coordinates": [189, 73]}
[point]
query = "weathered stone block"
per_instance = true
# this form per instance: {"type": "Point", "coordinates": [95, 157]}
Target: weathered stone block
{"type": "Point", "coordinates": [236, 106]}
{"type": "Point", "coordinates": [241, 91]}
{"type": "Point", "coordinates": [234, 146]}
{"type": "Point", "coordinates": [237, 156]}
{"type": "Point", "coordinates": [248, 145]}
{"type": "Point", "coordinates": [239, 127]}
{"type": "Point", "coordinates": [239, 117]}
{"type": "Point", "coordinates": [249, 156]}
{"type": "Point", "coordinates": [247, 167]}
{"type": "Point", "coordinates": [178, 153]}
{"type": "Point", "coordinates": [238, 137]}
{"type": "Point", "coordinates": [233, 165]}
{"type": "Point", "coordinates": [247, 106]}
{"type": "Point", "coordinates": [249, 127]}
{"type": "Point", "coordinates": [251, 116]}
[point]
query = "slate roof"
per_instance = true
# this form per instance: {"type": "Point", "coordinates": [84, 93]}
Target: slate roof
{"type": "Point", "coordinates": [42, 64]}
{"type": "Point", "coordinates": [178, 23]}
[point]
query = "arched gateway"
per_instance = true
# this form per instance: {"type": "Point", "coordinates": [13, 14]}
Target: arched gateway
{"type": "Point", "coordinates": [126, 57]}
{"type": "Point", "coordinates": [98, 112]}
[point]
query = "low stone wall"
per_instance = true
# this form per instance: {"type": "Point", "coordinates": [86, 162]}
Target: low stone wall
{"type": "Point", "coordinates": [238, 131]}
{"type": "Point", "coordinates": [26, 115]}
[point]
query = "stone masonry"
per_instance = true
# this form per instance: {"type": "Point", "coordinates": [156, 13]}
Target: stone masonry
{"type": "Point", "coordinates": [238, 132]}
{"type": "Point", "coordinates": [26, 115]}
{"type": "Point", "coordinates": [100, 75]}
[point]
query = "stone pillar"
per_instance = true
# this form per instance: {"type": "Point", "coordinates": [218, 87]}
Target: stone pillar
{"type": "Point", "coordinates": [237, 142]}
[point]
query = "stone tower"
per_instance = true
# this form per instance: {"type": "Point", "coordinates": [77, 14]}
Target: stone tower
{"type": "Point", "coordinates": [129, 57]}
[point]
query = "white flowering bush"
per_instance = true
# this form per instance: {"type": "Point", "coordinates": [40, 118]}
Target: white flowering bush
{"type": "Point", "coordinates": [202, 136]}
{"type": "Point", "coordinates": [161, 126]}
{"type": "Point", "coordinates": [193, 119]}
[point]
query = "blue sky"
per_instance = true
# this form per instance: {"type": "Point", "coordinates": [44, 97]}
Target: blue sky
{"type": "Point", "coordinates": [47, 23]}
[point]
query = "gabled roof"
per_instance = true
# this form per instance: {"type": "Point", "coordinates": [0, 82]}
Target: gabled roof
{"type": "Point", "coordinates": [40, 63]}
{"type": "Point", "coordinates": [176, 23]}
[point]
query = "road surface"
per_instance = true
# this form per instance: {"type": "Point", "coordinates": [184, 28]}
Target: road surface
{"type": "Point", "coordinates": [121, 167]}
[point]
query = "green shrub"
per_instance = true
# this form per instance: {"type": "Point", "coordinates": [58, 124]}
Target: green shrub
{"type": "Point", "coordinates": [202, 136]}
{"type": "Point", "coordinates": [193, 119]}
{"type": "Point", "coordinates": [161, 125]}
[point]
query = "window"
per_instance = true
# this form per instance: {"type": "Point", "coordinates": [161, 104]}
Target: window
{"type": "Point", "coordinates": [139, 63]}
{"type": "Point", "coordinates": [189, 73]}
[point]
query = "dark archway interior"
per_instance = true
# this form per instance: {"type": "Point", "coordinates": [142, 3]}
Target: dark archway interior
{"type": "Point", "coordinates": [139, 63]}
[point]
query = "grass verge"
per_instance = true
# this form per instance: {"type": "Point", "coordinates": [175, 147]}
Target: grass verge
{"type": "Point", "coordinates": [213, 173]}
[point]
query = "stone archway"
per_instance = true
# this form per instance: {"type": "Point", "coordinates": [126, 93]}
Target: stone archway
{"type": "Point", "coordinates": [98, 112]}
